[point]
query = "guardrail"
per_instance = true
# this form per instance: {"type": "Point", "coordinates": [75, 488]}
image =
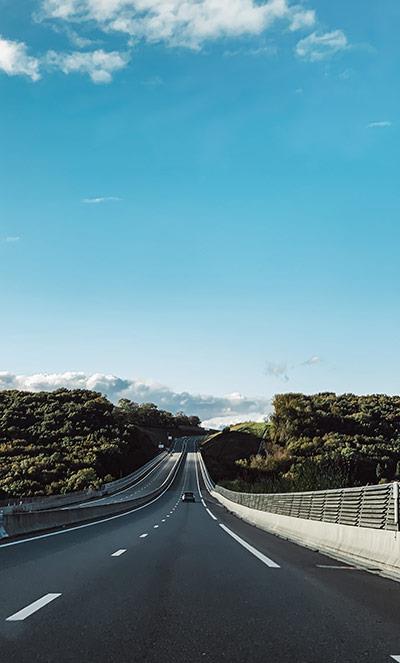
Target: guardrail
{"type": "Point", "coordinates": [18, 523]}
{"type": "Point", "coordinates": [208, 482]}
{"type": "Point", "coordinates": [376, 507]}
{"type": "Point", "coordinates": [42, 503]}
{"type": "Point", "coordinates": [367, 506]}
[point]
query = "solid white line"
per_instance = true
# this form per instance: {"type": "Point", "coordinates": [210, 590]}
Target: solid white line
{"type": "Point", "coordinates": [197, 477]}
{"type": "Point", "coordinates": [117, 553]}
{"type": "Point", "coordinates": [143, 536]}
{"type": "Point", "coordinates": [396, 658]}
{"type": "Point", "coordinates": [211, 514]}
{"type": "Point", "coordinates": [96, 522]}
{"type": "Point", "coordinates": [32, 607]}
{"type": "Point", "coordinates": [203, 503]}
{"type": "Point", "coordinates": [269, 562]}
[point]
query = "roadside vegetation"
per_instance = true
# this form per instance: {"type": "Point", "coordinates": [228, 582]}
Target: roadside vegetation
{"type": "Point", "coordinates": [312, 442]}
{"type": "Point", "coordinates": [63, 441]}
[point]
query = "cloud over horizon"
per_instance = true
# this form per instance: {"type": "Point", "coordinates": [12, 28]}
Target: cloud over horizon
{"type": "Point", "coordinates": [214, 411]}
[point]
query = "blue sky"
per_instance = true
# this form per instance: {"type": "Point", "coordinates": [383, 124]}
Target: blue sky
{"type": "Point", "coordinates": [206, 198]}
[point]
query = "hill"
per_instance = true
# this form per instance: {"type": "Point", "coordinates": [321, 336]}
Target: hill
{"type": "Point", "coordinates": [322, 441]}
{"type": "Point", "coordinates": [222, 450]}
{"type": "Point", "coordinates": [61, 441]}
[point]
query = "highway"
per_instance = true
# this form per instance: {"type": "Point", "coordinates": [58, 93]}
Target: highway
{"type": "Point", "coordinates": [181, 582]}
{"type": "Point", "coordinates": [149, 482]}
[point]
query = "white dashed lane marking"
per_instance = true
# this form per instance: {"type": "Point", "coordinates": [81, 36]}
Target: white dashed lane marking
{"type": "Point", "coordinates": [119, 552]}
{"type": "Point", "coordinates": [32, 607]}
{"type": "Point", "coordinates": [142, 536]}
{"type": "Point", "coordinates": [155, 526]}
{"type": "Point", "coordinates": [263, 558]}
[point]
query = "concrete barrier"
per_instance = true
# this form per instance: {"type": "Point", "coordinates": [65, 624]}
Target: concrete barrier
{"type": "Point", "coordinates": [17, 524]}
{"type": "Point", "coordinates": [376, 550]}
{"type": "Point", "coordinates": [373, 549]}
{"type": "Point", "coordinates": [52, 502]}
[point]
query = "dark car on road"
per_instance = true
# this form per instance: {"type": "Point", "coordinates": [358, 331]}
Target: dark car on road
{"type": "Point", "coordinates": [188, 497]}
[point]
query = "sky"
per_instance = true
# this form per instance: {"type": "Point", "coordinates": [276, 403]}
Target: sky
{"type": "Point", "coordinates": [199, 199]}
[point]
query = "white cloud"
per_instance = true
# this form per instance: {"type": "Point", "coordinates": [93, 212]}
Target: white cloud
{"type": "Point", "coordinates": [275, 370]}
{"type": "Point", "coordinates": [153, 82]}
{"type": "Point", "coordinates": [230, 408]}
{"type": "Point", "coordinates": [346, 74]}
{"type": "Point", "coordinates": [221, 422]}
{"type": "Point", "coordinates": [266, 49]}
{"type": "Point", "coordinates": [312, 361]}
{"type": "Point", "coordinates": [301, 19]}
{"type": "Point", "coordinates": [102, 199]}
{"type": "Point", "coordinates": [80, 41]}
{"type": "Point", "coordinates": [381, 124]}
{"type": "Point", "coordinates": [317, 47]}
{"type": "Point", "coordinates": [281, 370]}
{"type": "Point", "coordinates": [99, 64]}
{"type": "Point", "coordinates": [180, 22]}
{"type": "Point", "coordinates": [12, 239]}
{"type": "Point", "coordinates": [15, 61]}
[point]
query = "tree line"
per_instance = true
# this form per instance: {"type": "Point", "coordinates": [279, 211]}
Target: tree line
{"type": "Point", "coordinates": [324, 441]}
{"type": "Point", "coordinates": [68, 440]}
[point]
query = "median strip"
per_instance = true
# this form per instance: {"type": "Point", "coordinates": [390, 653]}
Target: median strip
{"type": "Point", "coordinates": [32, 607]}
{"type": "Point", "coordinates": [263, 558]}
{"type": "Point", "coordinates": [65, 530]}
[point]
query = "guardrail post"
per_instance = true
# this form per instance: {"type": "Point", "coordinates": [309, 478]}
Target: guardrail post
{"type": "Point", "coordinates": [3, 532]}
{"type": "Point", "coordinates": [396, 503]}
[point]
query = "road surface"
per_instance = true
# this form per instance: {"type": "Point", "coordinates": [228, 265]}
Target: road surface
{"type": "Point", "coordinates": [151, 481]}
{"type": "Point", "coordinates": [181, 582]}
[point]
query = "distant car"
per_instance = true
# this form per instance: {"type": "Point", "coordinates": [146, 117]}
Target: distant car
{"type": "Point", "coordinates": [188, 497]}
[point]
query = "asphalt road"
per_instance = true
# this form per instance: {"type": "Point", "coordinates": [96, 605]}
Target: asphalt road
{"type": "Point", "coordinates": [151, 481]}
{"type": "Point", "coordinates": [169, 584]}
